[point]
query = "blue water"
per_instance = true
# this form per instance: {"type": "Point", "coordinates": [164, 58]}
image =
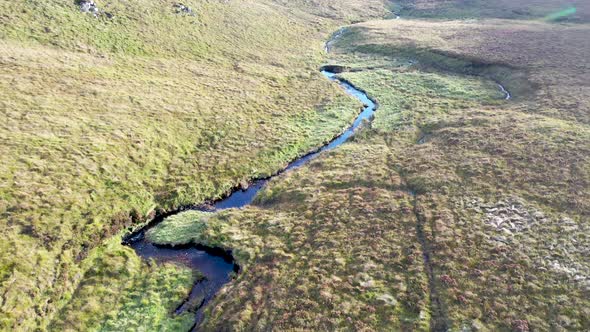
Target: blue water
{"type": "Point", "coordinates": [241, 198]}
{"type": "Point", "coordinates": [218, 269]}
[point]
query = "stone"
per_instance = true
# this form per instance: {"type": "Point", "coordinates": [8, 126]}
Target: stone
{"type": "Point", "coordinates": [501, 239]}
{"type": "Point", "coordinates": [520, 325]}
{"type": "Point", "coordinates": [364, 280]}
{"type": "Point", "coordinates": [564, 321]}
{"type": "Point", "coordinates": [340, 261]}
{"type": "Point", "coordinates": [244, 185]}
{"type": "Point", "coordinates": [387, 299]}
{"type": "Point", "coordinates": [368, 284]}
{"type": "Point", "coordinates": [369, 266]}
{"type": "Point", "coordinates": [478, 326]}
{"type": "Point", "coordinates": [182, 9]}
{"type": "Point", "coordinates": [88, 6]}
{"type": "Point", "coordinates": [336, 279]}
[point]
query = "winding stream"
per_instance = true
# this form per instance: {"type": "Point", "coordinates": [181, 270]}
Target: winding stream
{"type": "Point", "coordinates": [216, 265]}
{"type": "Point", "coordinates": [332, 39]}
{"type": "Point", "coordinates": [507, 95]}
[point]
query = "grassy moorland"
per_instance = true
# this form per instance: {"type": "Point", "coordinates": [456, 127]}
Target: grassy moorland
{"type": "Point", "coordinates": [503, 191]}
{"type": "Point", "coordinates": [346, 252]}
{"type": "Point", "coordinates": [106, 120]}
{"type": "Point", "coordinates": [569, 11]}
{"type": "Point", "coordinates": [454, 210]}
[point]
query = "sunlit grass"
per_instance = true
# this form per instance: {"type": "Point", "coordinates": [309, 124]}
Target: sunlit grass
{"type": "Point", "coordinates": [443, 132]}
{"type": "Point", "coordinates": [106, 121]}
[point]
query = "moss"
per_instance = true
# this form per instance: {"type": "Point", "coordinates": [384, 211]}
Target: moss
{"type": "Point", "coordinates": [109, 120]}
{"type": "Point", "coordinates": [120, 293]}
{"type": "Point", "coordinates": [356, 224]}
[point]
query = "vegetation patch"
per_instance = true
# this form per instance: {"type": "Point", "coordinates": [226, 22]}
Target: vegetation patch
{"type": "Point", "coordinates": [471, 181]}
{"type": "Point", "coordinates": [121, 293]}
{"type": "Point", "coordinates": [337, 263]}
{"type": "Point", "coordinates": [107, 119]}
{"type": "Point", "coordinates": [454, 208]}
{"type": "Point", "coordinates": [553, 10]}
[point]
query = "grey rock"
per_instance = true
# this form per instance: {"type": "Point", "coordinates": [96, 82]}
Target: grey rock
{"type": "Point", "coordinates": [182, 9]}
{"type": "Point", "coordinates": [477, 326]}
{"type": "Point", "coordinates": [387, 299]}
{"type": "Point", "coordinates": [89, 6]}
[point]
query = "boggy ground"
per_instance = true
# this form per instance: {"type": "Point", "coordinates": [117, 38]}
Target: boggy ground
{"type": "Point", "coordinates": [107, 119]}
{"type": "Point", "coordinates": [453, 210]}
{"type": "Point", "coordinates": [505, 189]}
{"type": "Point", "coordinates": [559, 10]}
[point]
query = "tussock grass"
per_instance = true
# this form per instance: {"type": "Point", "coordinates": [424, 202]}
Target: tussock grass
{"type": "Point", "coordinates": [474, 9]}
{"type": "Point", "coordinates": [534, 147]}
{"type": "Point", "coordinates": [331, 248]}
{"type": "Point", "coordinates": [444, 134]}
{"type": "Point", "coordinates": [546, 127]}
{"type": "Point", "coordinates": [105, 121]}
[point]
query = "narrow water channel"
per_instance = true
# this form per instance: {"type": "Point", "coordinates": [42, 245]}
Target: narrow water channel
{"type": "Point", "coordinates": [216, 265]}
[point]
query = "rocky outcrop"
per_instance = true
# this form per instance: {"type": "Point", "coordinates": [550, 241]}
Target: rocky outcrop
{"type": "Point", "coordinates": [183, 9]}
{"type": "Point", "coordinates": [89, 6]}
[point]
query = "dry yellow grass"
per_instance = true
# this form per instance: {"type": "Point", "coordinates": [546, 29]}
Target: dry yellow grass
{"type": "Point", "coordinates": [106, 120]}
{"type": "Point", "coordinates": [529, 9]}
{"type": "Point", "coordinates": [501, 192]}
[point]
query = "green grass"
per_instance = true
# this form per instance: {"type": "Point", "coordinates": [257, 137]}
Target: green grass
{"type": "Point", "coordinates": [544, 77]}
{"type": "Point", "coordinates": [107, 121]}
{"type": "Point", "coordinates": [341, 232]}
{"type": "Point", "coordinates": [410, 97]}
{"type": "Point", "coordinates": [119, 292]}
{"type": "Point", "coordinates": [353, 206]}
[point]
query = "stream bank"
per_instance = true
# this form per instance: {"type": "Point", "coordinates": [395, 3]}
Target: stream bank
{"type": "Point", "coordinates": [217, 265]}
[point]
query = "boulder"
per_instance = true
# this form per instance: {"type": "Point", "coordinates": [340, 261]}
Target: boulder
{"type": "Point", "coordinates": [387, 299]}
{"type": "Point", "coordinates": [88, 6]}
{"type": "Point", "coordinates": [182, 9]}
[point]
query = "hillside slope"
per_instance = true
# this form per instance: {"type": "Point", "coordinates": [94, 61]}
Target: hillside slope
{"type": "Point", "coordinates": [454, 210]}
{"type": "Point", "coordinates": [107, 119]}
